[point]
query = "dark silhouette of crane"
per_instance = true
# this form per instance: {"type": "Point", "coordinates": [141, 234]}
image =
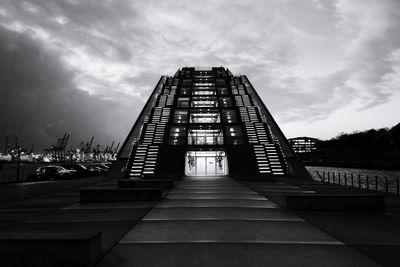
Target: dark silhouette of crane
{"type": "Point", "coordinates": [57, 150]}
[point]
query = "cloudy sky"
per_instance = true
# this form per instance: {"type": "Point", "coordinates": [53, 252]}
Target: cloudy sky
{"type": "Point", "coordinates": [87, 66]}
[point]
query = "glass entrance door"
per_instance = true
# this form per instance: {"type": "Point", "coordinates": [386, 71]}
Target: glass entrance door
{"type": "Point", "coordinates": [206, 163]}
{"type": "Point", "coordinates": [201, 166]}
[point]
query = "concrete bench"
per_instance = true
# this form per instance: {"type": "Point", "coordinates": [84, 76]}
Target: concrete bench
{"type": "Point", "coordinates": [49, 248]}
{"type": "Point", "coordinates": [330, 201]}
{"type": "Point", "coordinates": [104, 194]}
{"type": "Point", "coordinates": [140, 183]}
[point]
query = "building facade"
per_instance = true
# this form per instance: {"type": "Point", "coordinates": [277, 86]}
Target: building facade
{"type": "Point", "coordinates": [205, 122]}
{"type": "Point", "coordinates": [303, 144]}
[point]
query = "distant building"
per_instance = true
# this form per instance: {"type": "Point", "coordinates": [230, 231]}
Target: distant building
{"type": "Point", "coordinates": [303, 144]}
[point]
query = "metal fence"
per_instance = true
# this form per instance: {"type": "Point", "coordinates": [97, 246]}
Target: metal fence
{"type": "Point", "coordinates": [376, 183]}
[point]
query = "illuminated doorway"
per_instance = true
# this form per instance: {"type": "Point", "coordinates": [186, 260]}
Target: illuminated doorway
{"type": "Point", "coordinates": [206, 163]}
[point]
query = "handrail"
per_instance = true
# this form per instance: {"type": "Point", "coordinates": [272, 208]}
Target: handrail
{"type": "Point", "coordinates": [136, 126]}
{"type": "Point", "coordinates": [389, 185]}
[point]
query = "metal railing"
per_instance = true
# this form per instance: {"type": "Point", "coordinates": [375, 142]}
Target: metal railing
{"type": "Point", "coordinates": [363, 181]}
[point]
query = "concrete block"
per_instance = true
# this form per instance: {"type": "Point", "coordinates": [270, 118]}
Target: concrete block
{"type": "Point", "coordinates": [101, 194]}
{"type": "Point", "coordinates": [337, 201]}
{"type": "Point", "coordinates": [140, 183]}
{"type": "Point", "coordinates": [49, 248]}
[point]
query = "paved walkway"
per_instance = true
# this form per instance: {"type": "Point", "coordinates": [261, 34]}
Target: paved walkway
{"type": "Point", "coordinates": [60, 213]}
{"type": "Point", "coordinates": [219, 222]}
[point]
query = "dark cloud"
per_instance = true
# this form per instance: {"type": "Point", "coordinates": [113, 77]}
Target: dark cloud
{"type": "Point", "coordinates": [308, 59]}
{"type": "Point", "coordinates": [39, 101]}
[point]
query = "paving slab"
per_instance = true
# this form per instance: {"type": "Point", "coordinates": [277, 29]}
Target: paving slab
{"type": "Point", "coordinates": [269, 185]}
{"type": "Point", "coordinates": [189, 195]}
{"type": "Point", "coordinates": [174, 203]}
{"type": "Point", "coordinates": [227, 231]}
{"type": "Point", "coordinates": [217, 213]}
{"type": "Point", "coordinates": [113, 205]}
{"type": "Point", "coordinates": [234, 255]}
{"type": "Point", "coordinates": [211, 184]}
{"type": "Point", "coordinates": [235, 186]}
{"type": "Point", "coordinates": [92, 215]}
{"type": "Point", "coordinates": [213, 191]}
{"type": "Point", "coordinates": [285, 190]}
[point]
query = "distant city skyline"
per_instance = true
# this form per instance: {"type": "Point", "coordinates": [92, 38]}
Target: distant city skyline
{"type": "Point", "coordinates": [87, 67]}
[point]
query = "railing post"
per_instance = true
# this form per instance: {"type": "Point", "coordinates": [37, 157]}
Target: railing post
{"type": "Point", "coordinates": [367, 182]}
{"type": "Point", "coordinates": [376, 182]}
{"type": "Point", "coordinates": [352, 180]}
{"type": "Point", "coordinates": [339, 178]}
{"type": "Point", "coordinates": [386, 185]}
{"type": "Point", "coordinates": [359, 180]}
{"type": "Point", "coordinates": [345, 179]}
{"type": "Point", "coordinates": [329, 177]}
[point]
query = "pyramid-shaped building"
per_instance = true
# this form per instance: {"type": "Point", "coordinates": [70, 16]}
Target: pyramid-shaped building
{"type": "Point", "coordinates": [206, 122]}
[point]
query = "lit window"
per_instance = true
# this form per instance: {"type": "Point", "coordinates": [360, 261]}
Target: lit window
{"type": "Point", "coordinates": [204, 102]}
{"type": "Point", "coordinates": [223, 91]}
{"type": "Point", "coordinates": [205, 92]}
{"type": "Point", "coordinates": [183, 102]}
{"type": "Point", "coordinates": [205, 137]}
{"type": "Point", "coordinates": [177, 135]}
{"type": "Point", "coordinates": [205, 116]}
{"type": "Point", "coordinates": [181, 116]}
{"type": "Point", "coordinates": [229, 116]}
{"type": "Point", "coordinates": [234, 135]}
{"type": "Point", "coordinates": [225, 102]}
{"type": "Point", "coordinates": [185, 91]}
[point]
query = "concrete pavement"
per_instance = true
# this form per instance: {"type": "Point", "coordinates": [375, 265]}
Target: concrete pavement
{"type": "Point", "coordinates": [220, 222]}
